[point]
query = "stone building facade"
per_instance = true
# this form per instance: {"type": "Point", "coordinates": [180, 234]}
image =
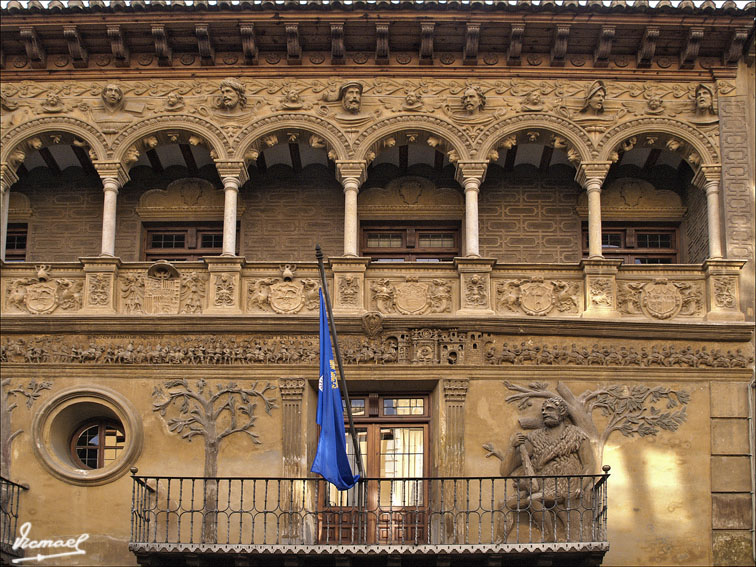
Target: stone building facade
{"type": "Point", "coordinates": [518, 202]}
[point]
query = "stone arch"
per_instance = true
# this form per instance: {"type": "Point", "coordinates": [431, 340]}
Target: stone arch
{"type": "Point", "coordinates": [334, 139]}
{"type": "Point", "coordinates": [575, 137]}
{"type": "Point", "coordinates": [18, 136]}
{"type": "Point", "coordinates": [215, 140]}
{"type": "Point", "coordinates": [434, 130]}
{"type": "Point", "coordinates": [695, 148]}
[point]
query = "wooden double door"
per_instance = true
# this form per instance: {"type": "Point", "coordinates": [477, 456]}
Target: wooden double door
{"type": "Point", "coordinates": [390, 506]}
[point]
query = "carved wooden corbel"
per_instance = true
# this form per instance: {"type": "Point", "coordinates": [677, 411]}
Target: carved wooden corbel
{"type": "Point", "coordinates": [162, 49]}
{"type": "Point", "coordinates": [118, 46]}
{"type": "Point", "coordinates": [604, 49]}
{"type": "Point", "coordinates": [381, 44]}
{"type": "Point", "coordinates": [337, 43]}
{"type": "Point", "coordinates": [426, 43]}
{"type": "Point", "coordinates": [734, 50]}
{"type": "Point", "coordinates": [293, 47]}
{"type": "Point", "coordinates": [559, 47]}
{"type": "Point", "coordinates": [472, 40]}
{"type": "Point", "coordinates": [205, 46]}
{"type": "Point", "coordinates": [35, 51]}
{"type": "Point", "coordinates": [515, 44]}
{"type": "Point", "coordinates": [689, 53]}
{"type": "Point", "coordinates": [78, 52]}
{"type": "Point", "coordinates": [647, 47]}
{"type": "Point", "coordinates": [248, 43]}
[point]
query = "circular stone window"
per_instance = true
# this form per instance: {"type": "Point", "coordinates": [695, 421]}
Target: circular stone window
{"type": "Point", "coordinates": [87, 436]}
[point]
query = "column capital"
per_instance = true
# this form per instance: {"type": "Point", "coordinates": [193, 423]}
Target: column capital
{"type": "Point", "coordinates": [706, 175]}
{"type": "Point", "coordinates": [7, 177]}
{"type": "Point", "coordinates": [592, 170]}
{"type": "Point", "coordinates": [467, 170]}
{"type": "Point", "coordinates": [356, 170]}
{"type": "Point", "coordinates": [113, 170]}
{"type": "Point", "coordinates": [235, 169]}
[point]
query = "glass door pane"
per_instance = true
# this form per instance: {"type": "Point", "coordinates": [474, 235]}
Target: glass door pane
{"type": "Point", "coordinates": [401, 456]}
{"type": "Point", "coordinates": [349, 497]}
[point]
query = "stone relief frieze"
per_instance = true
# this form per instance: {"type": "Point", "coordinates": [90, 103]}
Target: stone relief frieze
{"type": "Point", "coordinates": [661, 298]}
{"type": "Point", "coordinates": [43, 294]}
{"type": "Point", "coordinates": [535, 296]}
{"type": "Point", "coordinates": [229, 105]}
{"type": "Point", "coordinates": [411, 346]}
{"type": "Point", "coordinates": [411, 296]}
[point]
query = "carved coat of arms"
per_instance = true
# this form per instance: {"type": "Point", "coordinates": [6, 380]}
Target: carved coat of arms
{"type": "Point", "coordinates": [536, 298]}
{"type": "Point", "coordinates": [42, 295]}
{"type": "Point", "coordinates": [661, 299]}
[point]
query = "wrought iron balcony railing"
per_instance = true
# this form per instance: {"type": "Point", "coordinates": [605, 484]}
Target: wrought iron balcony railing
{"type": "Point", "coordinates": [421, 515]}
{"type": "Point", "coordinates": [10, 500]}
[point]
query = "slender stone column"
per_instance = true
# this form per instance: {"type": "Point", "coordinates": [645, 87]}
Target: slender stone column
{"type": "Point", "coordinates": [712, 213]}
{"type": "Point", "coordinates": [470, 175]}
{"type": "Point", "coordinates": [591, 176]}
{"type": "Point", "coordinates": [352, 175]}
{"type": "Point", "coordinates": [231, 189]}
{"type": "Point", "coordinates": [593, 188]}
{"type": "Point", "coordinates": [113, 177]}
{"type": "Point", "coordinates": [7, 178]}
{"type": "Point", "coordinates": [472, 237]}
{"type": "Point", "coordinates": [110, 188]}
{"type": "Point", "coordinates": [234, 175]}
{"type": "Point", "coordinates": [351, 188]}
{"type": "Point", "coordinates": [707, 178]}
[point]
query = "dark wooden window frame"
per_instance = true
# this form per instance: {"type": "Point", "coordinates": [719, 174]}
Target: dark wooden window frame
{"type": "Point", "coordinates": [16, 230]}
{"type": "Point", "coordinates": [192, 232]}
{"type": "Point", "coordinates": [629, 251]}
{"type": "Point", "coordinates": [410, 233]}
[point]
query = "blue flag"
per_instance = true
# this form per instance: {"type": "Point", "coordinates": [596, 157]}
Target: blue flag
{"type": "Point", "coordinates": [331, 460]}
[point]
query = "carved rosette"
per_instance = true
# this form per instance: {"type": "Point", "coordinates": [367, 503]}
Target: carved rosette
{"type": "Point", "coordinates": [411, 297]}
{"type": "Point", "coordinates": [537, 297]}
{"type": "Point", "coordinates": [281, 296]}
{"type": "Point", "coordinates": [660, 299]}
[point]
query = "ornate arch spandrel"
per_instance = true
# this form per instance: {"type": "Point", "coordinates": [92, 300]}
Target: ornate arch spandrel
{"type": "Point", "coordinates": [96, 140]}
{"type": "Point", "coordinates": [333, 136]}
{"type": "Point", "coordinates": [452, 137]}
{"type": "Point", "coordinates": [702, 145]}
{"type": "Point", "coordinates": [494, 136]}
{"type": "Point", "coordinates": [216, 140]}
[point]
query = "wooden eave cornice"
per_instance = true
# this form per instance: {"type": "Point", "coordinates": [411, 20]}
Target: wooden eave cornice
{"type": "Point", "coordinates": [318, 42]}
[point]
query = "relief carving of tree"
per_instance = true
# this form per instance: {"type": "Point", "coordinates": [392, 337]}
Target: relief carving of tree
{"type": "Point", "coordinates": [632, 410]}
{"type": "Point", "coordinates": [213, 415]}
{"type": "Point", "coordinates": [32, 391]}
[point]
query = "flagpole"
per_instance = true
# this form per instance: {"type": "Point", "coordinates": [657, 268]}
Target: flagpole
{"type": "Point", "coordinates": [332, 325]}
